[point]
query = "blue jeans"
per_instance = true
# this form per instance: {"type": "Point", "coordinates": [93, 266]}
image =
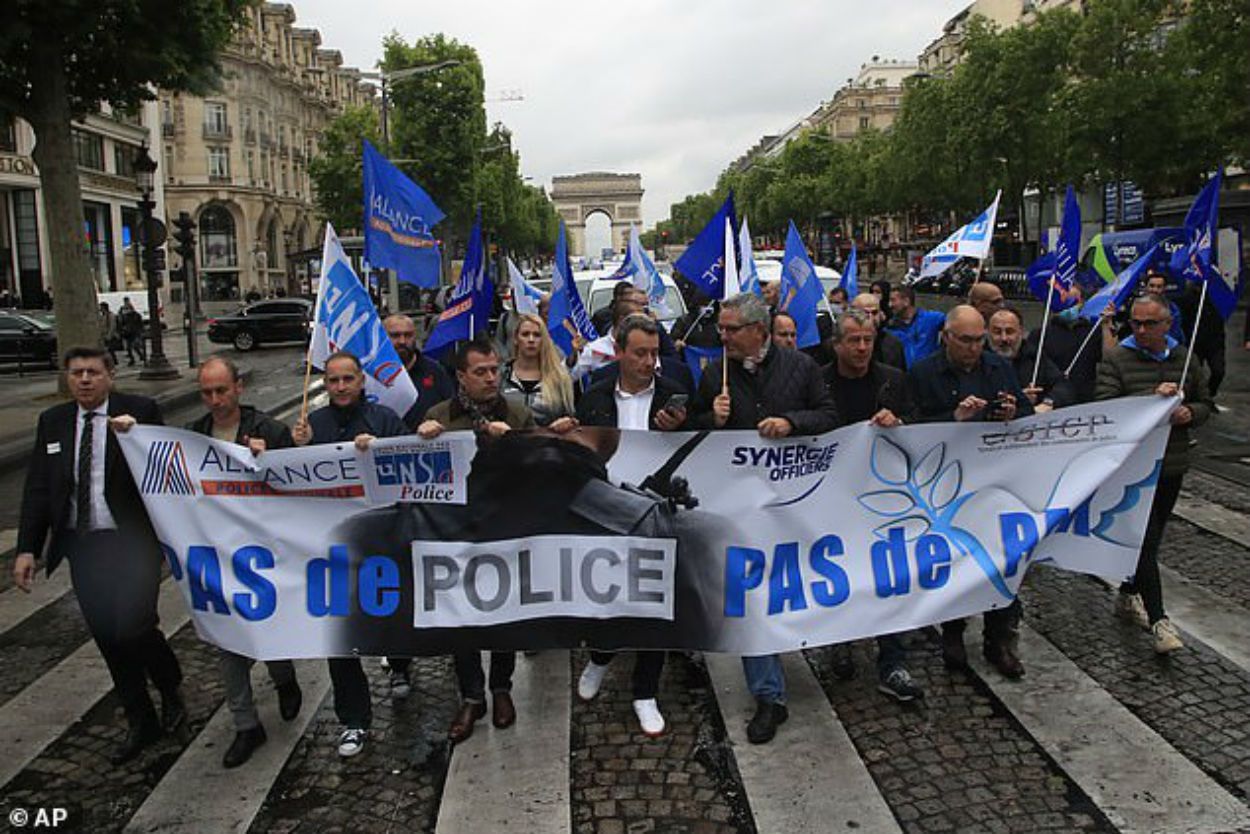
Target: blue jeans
{"type": "Point", "coordinates": [765, 678]}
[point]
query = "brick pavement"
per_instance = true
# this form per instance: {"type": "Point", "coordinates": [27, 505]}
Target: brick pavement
{"type": "Point", "coordinates": [1194, 699]}
{"type": "Point", "coordinates": [393, 785]}
{"type": "Point", "coordinates": [1210, 560]}
{"type": "Point", "coordinates": [685, 782]}
{"type": "Point", "coordinates": [40, 642]}
{"type": "Point", "coordinates": [957, 760]}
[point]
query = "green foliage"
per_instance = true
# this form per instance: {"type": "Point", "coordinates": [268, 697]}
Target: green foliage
{"type": "Point", "coordinates": [336, 170]}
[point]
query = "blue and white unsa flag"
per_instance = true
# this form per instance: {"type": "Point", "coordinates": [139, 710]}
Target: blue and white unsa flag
{"type": "Point", "coordinates": [644, 275]}
{"type": "Point", "coordinates": [347, 320]}
{"type": "Point", "coordinates": [801, 290]}
{"type": "Point", "coordinates": [969, 241]}
{"type": "Point", "coordinates": [525, 296]}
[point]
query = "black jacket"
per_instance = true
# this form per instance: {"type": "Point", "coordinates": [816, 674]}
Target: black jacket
{"type": "Point", "coordinates": [433, 385]}
{"type": "Point", "coordinates": [1049, 377]}
{"type": "Point", "coordinates": [937, 388]}
{"type": "Point", "coordinates": [1063, 340]}
{"type": "Point", "coordinates": [331, 424]}
{"type": "Point", "coordinates": [891, 387]}
{"type": "Point", "coordinates": [252, 423]}
{"type": "Point", "coordinates": [50, 480]}
{"type": "Point", "coordinates": [888, 350]}
{"type": "Point", "coordinates": [598, 405]}
{"type": "Point", "coordinates": [787, 384]}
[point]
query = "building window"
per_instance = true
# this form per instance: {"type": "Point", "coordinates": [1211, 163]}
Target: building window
{"type": "Point", "coordinates": [132, 277]}
{"type": "Point", "coordinates": [215, 124]}
{"type": "Point", "coordinates": [8, 132]}
{"type": "Point", "coordinates": [861, 104]}
{"type": "Point", "coordinates": [218, 245]}
{"type": "Point", "coordinates": [124, 160]}
{"type": "Point", "coordinates": [219, 164]}
{"type": "Point", "coordinates": [89, 148]}
{"type": "Point", "coordinates": [98, 236]}
{"type": "Point", "coordinates": [251, 167]}
{"type": "Point", "coordinates": [863, 122]}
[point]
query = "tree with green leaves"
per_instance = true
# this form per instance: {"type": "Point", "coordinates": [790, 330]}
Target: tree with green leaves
{"type": "Point", "coordinates": [60, 60]}
{"type": "Point", "coordinates": [336, 170]}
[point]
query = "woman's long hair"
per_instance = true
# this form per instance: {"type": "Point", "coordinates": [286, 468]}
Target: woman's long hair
{"type": "Point", "coordinates": [557, 386]}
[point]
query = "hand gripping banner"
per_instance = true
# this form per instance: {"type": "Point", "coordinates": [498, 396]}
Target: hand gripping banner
{"type": "Point", "coordinates": [711, 541]}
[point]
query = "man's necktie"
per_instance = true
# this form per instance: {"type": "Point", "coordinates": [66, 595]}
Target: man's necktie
{"type": "Point", "coordinates": [85, 448]}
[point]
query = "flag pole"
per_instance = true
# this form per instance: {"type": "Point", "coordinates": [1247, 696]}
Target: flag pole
{"type": "Point", "coordinates": [1097, 327]}
{"type": "Point", "coordinates": [303, 409]}
{"type": "Point", "coordinates": [1041, 339]}
{"type": "Point", "coordinates": [1193, 338]}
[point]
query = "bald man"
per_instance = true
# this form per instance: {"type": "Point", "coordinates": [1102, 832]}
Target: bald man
{"type": "Point", "coordinates": [965, 382]}
{"type": "Point", "coordinates": [433, 384]}
{"type": "Point", "coordinates": [987, 298]}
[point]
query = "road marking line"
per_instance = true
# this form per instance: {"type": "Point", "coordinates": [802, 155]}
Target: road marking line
{"type": "Point", "coordinates": [1129, 771]}
{"type": "Point", "coordinates": [516, 779]}
{"type": "Point", "coordinates": [40, 713]}
{"type": "Point", "coordinates": [1214, 518]}
{"type": "Point", "coordinates": [235, 796]}
{"type": "Point", "coordinates": [810, 778]}
{"type": "Point", "coordinates": [16, 606]}
{"type": "Point", "coordinates": [1222, 625]}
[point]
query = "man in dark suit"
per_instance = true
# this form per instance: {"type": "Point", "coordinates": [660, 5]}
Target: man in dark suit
{"type": "Point", "coordinates": [79, 489]}
{"type": "Point", "coordinates": [639, 399]}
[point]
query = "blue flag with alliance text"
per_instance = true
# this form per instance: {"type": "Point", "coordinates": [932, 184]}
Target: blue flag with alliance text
{"type": "Point", "coordinates": [399, 217]}
{"type": "Point", "coordinates": [468, 308]}
{"type": "Point", "coordinates": [703, 262]}
{"type": "Point", "coordinates": [566, 315]}
{"type": "Point", "coordinates": [801, 290]}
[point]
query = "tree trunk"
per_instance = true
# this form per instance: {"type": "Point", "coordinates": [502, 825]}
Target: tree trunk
{"type": "Point", "coordinates": [73, 290]}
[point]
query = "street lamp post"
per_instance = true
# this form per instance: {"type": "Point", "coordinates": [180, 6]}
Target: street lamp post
{"type": "Point", "coordinates": [151, 235]}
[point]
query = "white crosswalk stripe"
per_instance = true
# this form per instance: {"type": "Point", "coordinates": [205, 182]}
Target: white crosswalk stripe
{"type": "Point", "coordinates": [16, 605]}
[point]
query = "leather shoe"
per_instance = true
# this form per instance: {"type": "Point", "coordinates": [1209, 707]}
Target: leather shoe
{"type": "Point", "coordinates": [137, 738]}
{"type": "Point", "coordinates": [1002, 658]}
{"type": "Point", "coordinates": [290, 699]}
{"type": "Point", "coordinates": [763, 725]}
{"type": "Point", "coordinates": [503, 711]}
{"type": "Point", "coordinates": [954, 654]}
{"type": "Point", "coordinates": [462, 724]}
{"type": "Point", "coordinates": [173, 711]}
{"type": "Point", "coordinates": [244, 744]}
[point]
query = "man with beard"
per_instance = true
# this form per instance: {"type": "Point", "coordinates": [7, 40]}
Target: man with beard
{"type": "Point", "coordinates": [347, 417]}
{"type": "Point", "coordinates": [428, 377]}
{"type": "Point", "coordinates": [1007, 339]}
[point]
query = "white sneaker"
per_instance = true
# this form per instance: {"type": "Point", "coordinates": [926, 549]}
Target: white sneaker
{"type": "Point", "coordinates": [352, 741]}
{"type": "Point", "coordinates": [590, 681]}
{"type": "Point", "coordinates": [648, 712]}
{"type": "Point", "coordinates": [1166, 638]}
{"type": "Point", "coordinates": [1129, 607]}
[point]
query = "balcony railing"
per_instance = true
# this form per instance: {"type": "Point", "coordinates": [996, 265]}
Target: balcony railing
{"type": "Point", "coordinates": [249, 135]}
{"type": "Point", "coordinates": [221, 179]}
{"type": "Point", "coordinates": [212, 131]}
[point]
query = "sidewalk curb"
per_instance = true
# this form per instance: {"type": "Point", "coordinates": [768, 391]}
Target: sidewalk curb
{"type": "Point", "coordinates": [16, 451]}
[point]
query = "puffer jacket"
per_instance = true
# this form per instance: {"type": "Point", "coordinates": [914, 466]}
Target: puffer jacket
{"type": "Point", "coordinates": [1128, 372]}
{"type": "Point", "coordinates": [787, 384]}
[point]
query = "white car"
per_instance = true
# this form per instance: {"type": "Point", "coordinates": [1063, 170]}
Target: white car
{"type": "Point", "coordinates": [770, 270]}
{"type": "Point", "coordinates": [596, 289]}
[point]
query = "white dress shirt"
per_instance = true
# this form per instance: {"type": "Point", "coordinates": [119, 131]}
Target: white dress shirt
{"type": "Point", "coordinates": [633, 411]}
{"type": "Point", "coordinates": [101, 518]}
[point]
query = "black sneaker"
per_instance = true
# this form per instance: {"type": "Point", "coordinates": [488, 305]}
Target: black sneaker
{"type": "Point", "coordinates": [763, 725]}
{"type": "Point", "coordinates": [244, 744]}
{"type": "Point", "coordinates": [290, 699]}
{"type": "Point", "coordinates": [897, 683]}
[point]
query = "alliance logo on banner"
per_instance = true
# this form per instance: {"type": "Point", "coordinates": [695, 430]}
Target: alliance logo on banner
{"type": "Point", "coordinates": [855, 533]}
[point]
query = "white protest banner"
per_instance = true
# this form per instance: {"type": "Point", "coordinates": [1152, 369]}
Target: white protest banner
{"type": "Point", "coordinates": [590, 537]}
{"type": "Point", "coordinates": [408, 469]}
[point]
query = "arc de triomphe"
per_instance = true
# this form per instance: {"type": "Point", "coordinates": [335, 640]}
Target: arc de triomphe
{"type": "Point", "coordinates": [578, 196]}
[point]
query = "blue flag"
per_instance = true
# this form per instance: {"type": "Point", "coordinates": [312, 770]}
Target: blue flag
{"type": "Point", "coordinates": [698, 358]}
{"type": "Point", "coordinates": [850, 274]}
{"type": "Point", "coordinates": [801, 291]}
{"type": "Point", "coordinates": [748, 273]}
{"type": "Point", "coordinates": [566, 316]}
{"type": "Point", "coordinates": [398, 218]}
{"type": "Point", "coordinates": [703, 262]}
{"type": "Point", "coordinates": [468, 308]}
{"type": "Point", "coordinates": [1059, 265]}
{"type": "Point", "coordinates": [1192, 262]}
{"type": "Point", "coordinates": [1121, 289]}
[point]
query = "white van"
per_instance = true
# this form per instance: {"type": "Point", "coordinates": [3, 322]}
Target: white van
{"type": "Point", "coordinates": [596, 290]}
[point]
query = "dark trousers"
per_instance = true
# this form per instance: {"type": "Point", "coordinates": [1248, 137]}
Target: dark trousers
{"type": "Point", "coordinates": [647, 669]}
{"type": "Point", "coordinates": [1146, 580]}
{"type": "Point", "coordinates": [352, 703]}
{"type": "Point", "coordinates": [1215, 368]}
{"type": "Point", "coordinates": [116, 580]}
{"type": "Point", "coordinates": [135, 344]}
{"type": "Point", "coordinates": [1000, 624]}
{"type": "Point", "coordinates": [472, 678]}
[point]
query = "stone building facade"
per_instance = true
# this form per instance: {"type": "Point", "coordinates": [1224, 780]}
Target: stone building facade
{"type": "Point", "coordinates": [237, 161]}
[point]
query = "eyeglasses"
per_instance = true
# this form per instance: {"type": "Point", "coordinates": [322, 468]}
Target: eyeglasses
{"type": "Point", "coordinates": [1138, 324]}
{"type": "Point", "coordinates": [730, 328]}
{"type": "Point", "coordinates": [967, 340]}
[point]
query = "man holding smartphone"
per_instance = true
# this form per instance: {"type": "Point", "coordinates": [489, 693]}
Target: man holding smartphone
{"type": "Point", "coordinates": [638, 399]}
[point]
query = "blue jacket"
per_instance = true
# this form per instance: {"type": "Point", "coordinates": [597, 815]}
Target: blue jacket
{"type": "Point", "coordinates": [920, 336]}
{"type": "Point", "coordinates": [937, 388]}
{"type": "Point", "coordinates": [331, 424]}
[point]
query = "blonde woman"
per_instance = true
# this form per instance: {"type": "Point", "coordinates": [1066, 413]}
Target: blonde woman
{"type": "Point", "coordinates": [536, 376]}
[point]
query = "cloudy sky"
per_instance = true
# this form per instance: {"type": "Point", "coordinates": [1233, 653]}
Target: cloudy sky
{"type": "Point", "coordinates": [672, 89]}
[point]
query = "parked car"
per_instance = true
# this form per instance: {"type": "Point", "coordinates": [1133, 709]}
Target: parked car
{"type": "Point", "coordinates": [263, 322]}
{"type": "Point", "coordinates": [597, 291]}
{"type": "Point", "coordinates": [27, 339]}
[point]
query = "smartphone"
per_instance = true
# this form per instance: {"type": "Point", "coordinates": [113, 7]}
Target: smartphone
{"type": "Point", "coordinates": [676, 402]}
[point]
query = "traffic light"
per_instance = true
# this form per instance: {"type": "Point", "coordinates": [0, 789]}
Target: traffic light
{"type": "Point", "coordinates": [154, 260]}
{"type": "Point", "coordinates": [185, 235]}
